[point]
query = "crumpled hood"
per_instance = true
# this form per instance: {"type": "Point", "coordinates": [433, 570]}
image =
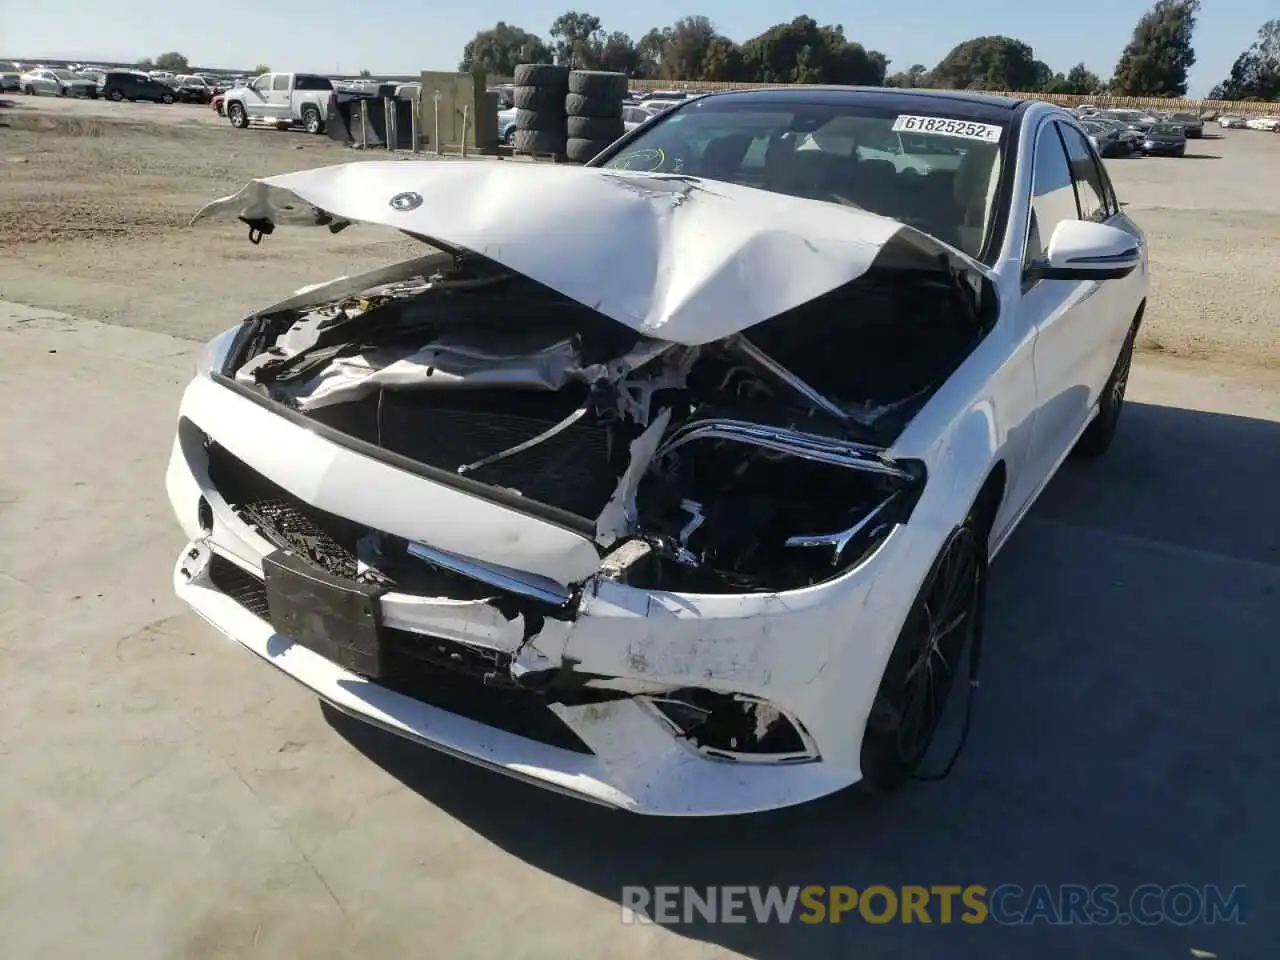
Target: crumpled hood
{"type": "Point", "coordinates": [676, 258]}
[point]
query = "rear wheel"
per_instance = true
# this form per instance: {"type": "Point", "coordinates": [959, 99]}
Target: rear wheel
{"type": "Point", "coordinates": [311, 120]}
{"type": "Point", "coordinates": [944, 621]}
{"type": "Point", "coordinates": [166, 98]}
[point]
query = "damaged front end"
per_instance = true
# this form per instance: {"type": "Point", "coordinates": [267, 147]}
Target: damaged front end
{"type": "Point", "coordinates": [750, 463]}
{"type": "Point", "coordinates": [507, 484]}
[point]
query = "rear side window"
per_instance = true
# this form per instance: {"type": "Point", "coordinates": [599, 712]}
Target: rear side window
{"type": "Point", "coordinates": [1053, 197]}
{"type": "Point", "coordinates": [304, 82]}
{"type": "Point", "coordinates": [1087, 175]}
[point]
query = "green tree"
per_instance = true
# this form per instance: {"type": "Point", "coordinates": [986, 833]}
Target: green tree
{"type": "Point", "coordinates": [1078, 81]}
{"type": "Point", "coordinates": [1156, 61]}
{"type": "Point", "coordinates": [685, 48]}
{"type": "Point", "coordinates": [917, 75]}
{"type": "Point", "coordinates": [173, 61]}
{"type": "Point", "coordinates": [146, 63]}
{"type": "Point", "coordinates": [260, 69]}
{"type": "Point", "coordinates": [579, 40]}
{"type": "Point", "coordinates": [365, 74]}
{"type": "Point", "coordinates": [1256, 73]}
{"type": "Point", "coordinates": [500, 49]}
{"type": "Point", "coordinates": [619, 54]}
{"type": "Point", "coordinates": [803, 52]}
{"type": "Point", "coordinates": [649, 49]}
{"type": "Point", "coordinates": [989, 63]}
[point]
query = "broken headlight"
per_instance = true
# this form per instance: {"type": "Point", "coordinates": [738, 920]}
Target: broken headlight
{"type": "Point", "coordinates": [725, 515]}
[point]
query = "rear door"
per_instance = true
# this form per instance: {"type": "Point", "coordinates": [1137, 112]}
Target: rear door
{"type": "Point", "coordinates": [279, 106]}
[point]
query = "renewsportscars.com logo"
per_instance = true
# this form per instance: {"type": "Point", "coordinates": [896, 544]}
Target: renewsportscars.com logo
{"type": "Point", "coordinates": [1008, 904]}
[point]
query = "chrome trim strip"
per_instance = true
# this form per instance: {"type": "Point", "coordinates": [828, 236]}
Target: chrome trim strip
{"type": "Point", "coordinates": [523, 584]}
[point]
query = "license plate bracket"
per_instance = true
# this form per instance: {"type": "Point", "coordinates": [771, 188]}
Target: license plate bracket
{"type": "Point", "coordinates": [337, 618]}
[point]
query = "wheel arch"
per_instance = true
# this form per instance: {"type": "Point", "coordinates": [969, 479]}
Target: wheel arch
{"type": "Point", "coordinates": [990, 498]}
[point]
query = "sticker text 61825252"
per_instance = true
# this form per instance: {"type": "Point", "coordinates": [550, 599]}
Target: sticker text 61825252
{"type": "Point", "coordinates": [947, 127]}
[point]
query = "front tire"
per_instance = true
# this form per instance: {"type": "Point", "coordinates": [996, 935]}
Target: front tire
{"type": "Point", "coordinates": [1097, 437]}
{"type": "Point", "coordinates": [944, 621]}
{"type": "Point", "coordinates": [166, 98]}
{"type": "Point", "coordinates": [235, 113]}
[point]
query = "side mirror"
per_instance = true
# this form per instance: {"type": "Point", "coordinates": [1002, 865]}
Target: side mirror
{"type": "Point", "coordinates": [1083, 250]}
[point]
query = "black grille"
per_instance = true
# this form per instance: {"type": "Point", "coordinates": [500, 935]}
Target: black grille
{"type": "Point", "coordinates": [462, 680]}
{"type": "Point", "coordinates": [329, 540]}
{"type": "Point", "coordinates": [242, 587]}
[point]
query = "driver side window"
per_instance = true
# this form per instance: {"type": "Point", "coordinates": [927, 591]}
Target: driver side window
{"type": "Point", "coordinates": [1053, 196]}
{"type": "Point", "coordinates": [262, 83]}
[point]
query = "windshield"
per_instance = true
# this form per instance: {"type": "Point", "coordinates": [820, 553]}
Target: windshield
{"type": "Point", "coordinates": [63, 74]}
{"type": "Point", "coordinates": [1168, 128]}
{"type": "Point", "coordinates": [936, 172]}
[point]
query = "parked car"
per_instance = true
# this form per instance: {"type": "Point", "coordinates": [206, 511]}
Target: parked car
{"type": "Point", "coordinates": [633, 116]}
{"type": "Point", "coordinates": [217, 103]}
{"type": "Point", "coordinates": [192, 89]}
{"type": "Point", "coordinates": [1169, 139]}
{"type": "Point", "coordinates": [1130, 137]}
{"type": "Point", "coordinates": [1232, 122]}
{"type": "Point", "coordinates": [56, 82]}
{"type": "Point", "coordinates": [10, 81]}
{"type": "Point", "coordinates": [507, 125]}
{"type": "Point", "coordinates": [702, 540]}
{"type": "Point", "coordinates": [1106, 139]}
{"type": "Point", "coordinates": [1270, 124]}
{"type": "Point", "coordinates": [283, 99]}
{"type": "Point", "coordinates": [1192, 124]}
{"type": "Point", "coordinates": [127, 85]}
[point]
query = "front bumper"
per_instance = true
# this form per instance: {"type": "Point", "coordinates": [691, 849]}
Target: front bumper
{"type": "Point", "coordinates": [796, 650]}
{"type": "Point", "coordinates": [1169, 149]}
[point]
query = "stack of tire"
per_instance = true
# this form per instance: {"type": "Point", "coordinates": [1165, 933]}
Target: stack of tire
{"type": "Point", "coordinates": [593, 111]}
{"type": "Point", "coordinates": [540, 91]}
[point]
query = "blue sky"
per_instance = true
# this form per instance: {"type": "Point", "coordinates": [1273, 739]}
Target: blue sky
{"type": "Point", "coordinates": [321, 35]}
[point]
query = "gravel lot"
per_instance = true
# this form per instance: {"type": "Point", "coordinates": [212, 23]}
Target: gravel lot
{"type": "Point", "coordinates": [164, 794]}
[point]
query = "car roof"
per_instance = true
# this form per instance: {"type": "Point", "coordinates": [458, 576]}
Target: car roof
{"type": "Point", "coordinates": [978, 106]}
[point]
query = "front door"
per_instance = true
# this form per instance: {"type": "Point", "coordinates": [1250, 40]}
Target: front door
{"type": "Point", "coordinates": [1072, 318]}
{"type": "Point", "coordinates": [258, 104]}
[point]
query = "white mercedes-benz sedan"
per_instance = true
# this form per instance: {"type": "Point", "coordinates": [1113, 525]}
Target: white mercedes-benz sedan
{"type": "Point", "coordinates": [671, 481]}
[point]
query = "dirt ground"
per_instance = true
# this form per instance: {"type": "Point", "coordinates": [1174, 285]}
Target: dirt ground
{"type": "Point", "coordinates": [95, 200]}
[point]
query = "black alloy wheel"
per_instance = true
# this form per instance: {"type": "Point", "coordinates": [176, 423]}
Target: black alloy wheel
{"type": "Point", "coordinates": [944, 621]}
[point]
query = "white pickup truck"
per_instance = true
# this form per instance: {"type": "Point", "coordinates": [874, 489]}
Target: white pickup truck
{"type": "Point", "coordinates": [284, 99]}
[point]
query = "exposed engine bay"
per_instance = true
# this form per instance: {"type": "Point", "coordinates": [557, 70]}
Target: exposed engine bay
{"type": "Point", "coordinates": [751, 463]}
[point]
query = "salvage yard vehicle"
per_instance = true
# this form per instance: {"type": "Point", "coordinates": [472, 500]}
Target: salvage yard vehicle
{"type": "Point", "coordinates": [284, 99]}
{"type": "Point", "coordinates": [706, 535]}
{"type": "Point", "coordinates": [1165, 139]}
{"type": "Point", "coordinates": [57, 82]}
{"type": "Point", "coordinates": [130, 85]}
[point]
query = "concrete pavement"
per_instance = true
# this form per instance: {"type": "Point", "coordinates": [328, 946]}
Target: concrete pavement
{"type": "Point", "coordinates": [163, 793]}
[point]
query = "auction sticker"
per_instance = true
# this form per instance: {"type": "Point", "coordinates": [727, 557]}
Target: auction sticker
{"type": "Point", "coordinates": [947, 127]}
